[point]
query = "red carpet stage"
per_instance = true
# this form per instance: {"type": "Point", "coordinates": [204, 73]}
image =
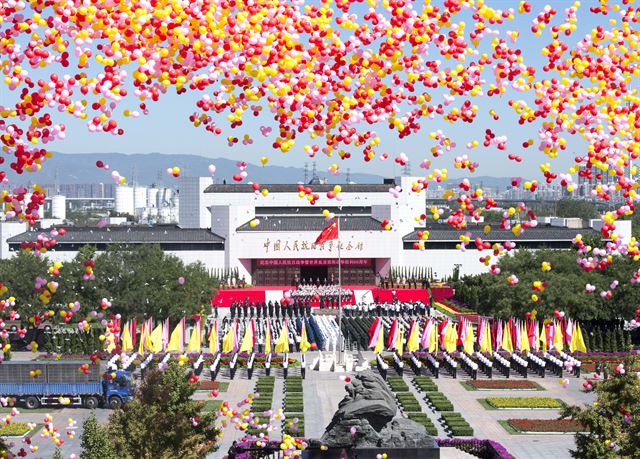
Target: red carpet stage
{"type": "Point", "coordinates": [367, 293]}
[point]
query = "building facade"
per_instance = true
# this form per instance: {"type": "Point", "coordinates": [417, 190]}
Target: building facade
{"type": "Point", "coordinates": [269, 238]}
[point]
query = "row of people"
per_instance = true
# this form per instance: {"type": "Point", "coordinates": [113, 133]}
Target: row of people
{"type": "Point", "coordinates": [396, 309]}
{"type": "Point", "coordinates": [249, 309]}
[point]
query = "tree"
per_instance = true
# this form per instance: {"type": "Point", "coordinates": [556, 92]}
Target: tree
{"type": "Point", "coordinates": [573, 208]}
{"type": "Point", "coordinates": [162, 421]}
{"type": "Point", "coordinates": [96, 443]}
{"type": "Point", "coordinates": [612, 422]}
{"type": "Point", "coordinates": [57, 454]}
{"type": "Point", "coordinates": [492, 295]}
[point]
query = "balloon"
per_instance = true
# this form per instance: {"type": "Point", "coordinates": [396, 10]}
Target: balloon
{"type": "Point", "coordinates": [264, 160]}
{"type": "Point", "coordinates": [181, 280]}
{"type": "Point", "coordinates": [212, 169]}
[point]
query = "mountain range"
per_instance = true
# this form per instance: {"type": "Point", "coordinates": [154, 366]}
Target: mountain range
{"type": "Point", "coordinates": [148, 168]}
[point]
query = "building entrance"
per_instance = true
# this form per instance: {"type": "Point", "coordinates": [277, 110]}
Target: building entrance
{"type": "Point", "coordinates": [314, 274]}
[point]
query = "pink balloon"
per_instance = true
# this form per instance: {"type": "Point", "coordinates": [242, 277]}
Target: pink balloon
{"type": "Point", "coordinates": [181, 280]}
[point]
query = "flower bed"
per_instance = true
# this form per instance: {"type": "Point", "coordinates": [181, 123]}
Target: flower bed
{"type": "Point", "coordinates": [100, 355]}
{"type": "Point", "coordinates": [503, 384]}
{"type": "Point", "coordinates": [524, 402]}
{"type": "Point", "coordinates": [546, 425]}
{"type": "Point", "coordinates": [15, 429]}
{"type": "Point", "coordinates": [485, 449]}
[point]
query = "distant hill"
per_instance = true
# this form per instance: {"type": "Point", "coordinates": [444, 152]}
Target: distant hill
{"type": "Point", "coordinates": [151, 168]}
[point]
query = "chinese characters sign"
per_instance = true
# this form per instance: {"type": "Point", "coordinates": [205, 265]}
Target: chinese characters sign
{"type": "Point", "coordinates": [363, 262]}
{"type": "Point", "coordinates": [301, 246]}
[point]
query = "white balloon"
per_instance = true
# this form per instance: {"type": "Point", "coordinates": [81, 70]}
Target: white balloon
{"type": "Point", "coordinates": [212, 169]}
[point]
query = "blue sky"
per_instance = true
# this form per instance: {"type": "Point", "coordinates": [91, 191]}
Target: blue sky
{"type": "Point", "coordinates": [167, 128]}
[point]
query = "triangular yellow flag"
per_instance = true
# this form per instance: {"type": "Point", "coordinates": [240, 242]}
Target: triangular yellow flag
{"type": "Point", "coordinates": [156, 339]}
{"type": "Point", "coordinates": [195, 340]}
{"type": "Point", "coordinates": [143, 335]}
{"type": "Point", "coordinates": [247, 340]}
{"type": "Point", "coordinates": [148, 345]}
{"type": "Point", "coordinates": [399, 346]}
{"type": "Point", "coordinates": [125, 341]}
{"type": "Point", "coordinates": [413, 342]}
{"type": "Point", "coordinates": [507, 344]}
{"type": "Point", "coordinates": [213, 338]}
{"type": "Point", "coordinates": [558, 339]}
{"type": "Point", "coordinates": [433, 340]}
{"type": "Point", "coordinates": [267, 339]}
{"type": "Point", "coordinates": [451, 338]}
{"type": "Point", "coordinates": [227, 341]}
{"type": "Point", "coordinates": [176, 341]}
{"type": "Point", "coordinates": [524, 339]}
{"type": "Point", "coordinates": [304, 341]}
{"type": "Point", "coordinates": [543, 337]}
{"type": "Point", "coordinates": [282, 345]}
{"type": "Point", "coordinates": [580, 344]}
{"type": "Point", "coordinates": [469, 340]}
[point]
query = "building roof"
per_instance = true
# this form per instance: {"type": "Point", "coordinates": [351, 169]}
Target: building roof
{"type": "Point", "coordinates": [315, 224]}
{"type": "Point", "coordinates": [293, 188]}
{"type": "Point", "coordinates": [540, 233]}
{"type": "Point", "coordinates": [125, 235]}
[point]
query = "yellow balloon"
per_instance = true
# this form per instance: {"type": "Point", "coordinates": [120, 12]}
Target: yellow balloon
{"type": "Point", "coordinates": [264, 160]}
{"type": "Point", "coordinates": [264, 192]}
{"type": "Point", "coordinates": [337, 189]}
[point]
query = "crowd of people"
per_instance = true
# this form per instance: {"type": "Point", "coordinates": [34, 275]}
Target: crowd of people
{"type": "Point", "coordinates": [327, 294]}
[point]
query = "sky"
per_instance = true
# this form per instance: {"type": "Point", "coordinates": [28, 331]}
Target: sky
{"type": "Point", "coordinates": [167, 129]}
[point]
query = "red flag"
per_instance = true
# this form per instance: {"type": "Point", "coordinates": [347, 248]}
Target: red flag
{"type": "Point", "coordinates": [329, 233]}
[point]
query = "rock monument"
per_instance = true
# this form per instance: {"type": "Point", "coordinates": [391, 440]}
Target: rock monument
{"type": "Point", "coordinates": [370, 408]}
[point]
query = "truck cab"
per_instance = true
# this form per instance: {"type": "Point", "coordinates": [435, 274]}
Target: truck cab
{"type": "Point", "coordinates": [117, 390]}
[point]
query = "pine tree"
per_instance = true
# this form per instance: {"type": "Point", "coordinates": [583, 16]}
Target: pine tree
{"type": "Point", "coordinates": [620, 339]}
{"type": "Point", "coordinates": [587, 340]}
{"type": "Point", "coordinates": [95, 440]}
{"type": "Point", "coordinates": [614, 341]}
{"type": "Point", "coordinates": [159, 422]}
{"type": "Point", "coordinates": [608, 342]}
{"type": "Point", "coordinates": [599, 342]}
{"type": "Point", "coordinates": [628, 345]}
{"type": "Point", "coordinates": [612, 423]}
{"type": "Point", "coordinates": [57, 454]}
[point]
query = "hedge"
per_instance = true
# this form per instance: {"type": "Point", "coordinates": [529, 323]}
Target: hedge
{"type": "Point", "coordinates": [424, 420]}
{"type": "Point", "coordinates": [397, 384]}
{"type": "Point", "coordinates": [503, 384]}
{"type": "Point", "coordinates": [425, 384]}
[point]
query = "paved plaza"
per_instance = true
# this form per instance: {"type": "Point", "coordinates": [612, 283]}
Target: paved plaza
{"type": "Point", "coordinates": [324, 390]}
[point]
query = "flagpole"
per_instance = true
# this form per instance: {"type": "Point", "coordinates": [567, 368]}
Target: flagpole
{"type": "Point", "coordinates": [340, 337]}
